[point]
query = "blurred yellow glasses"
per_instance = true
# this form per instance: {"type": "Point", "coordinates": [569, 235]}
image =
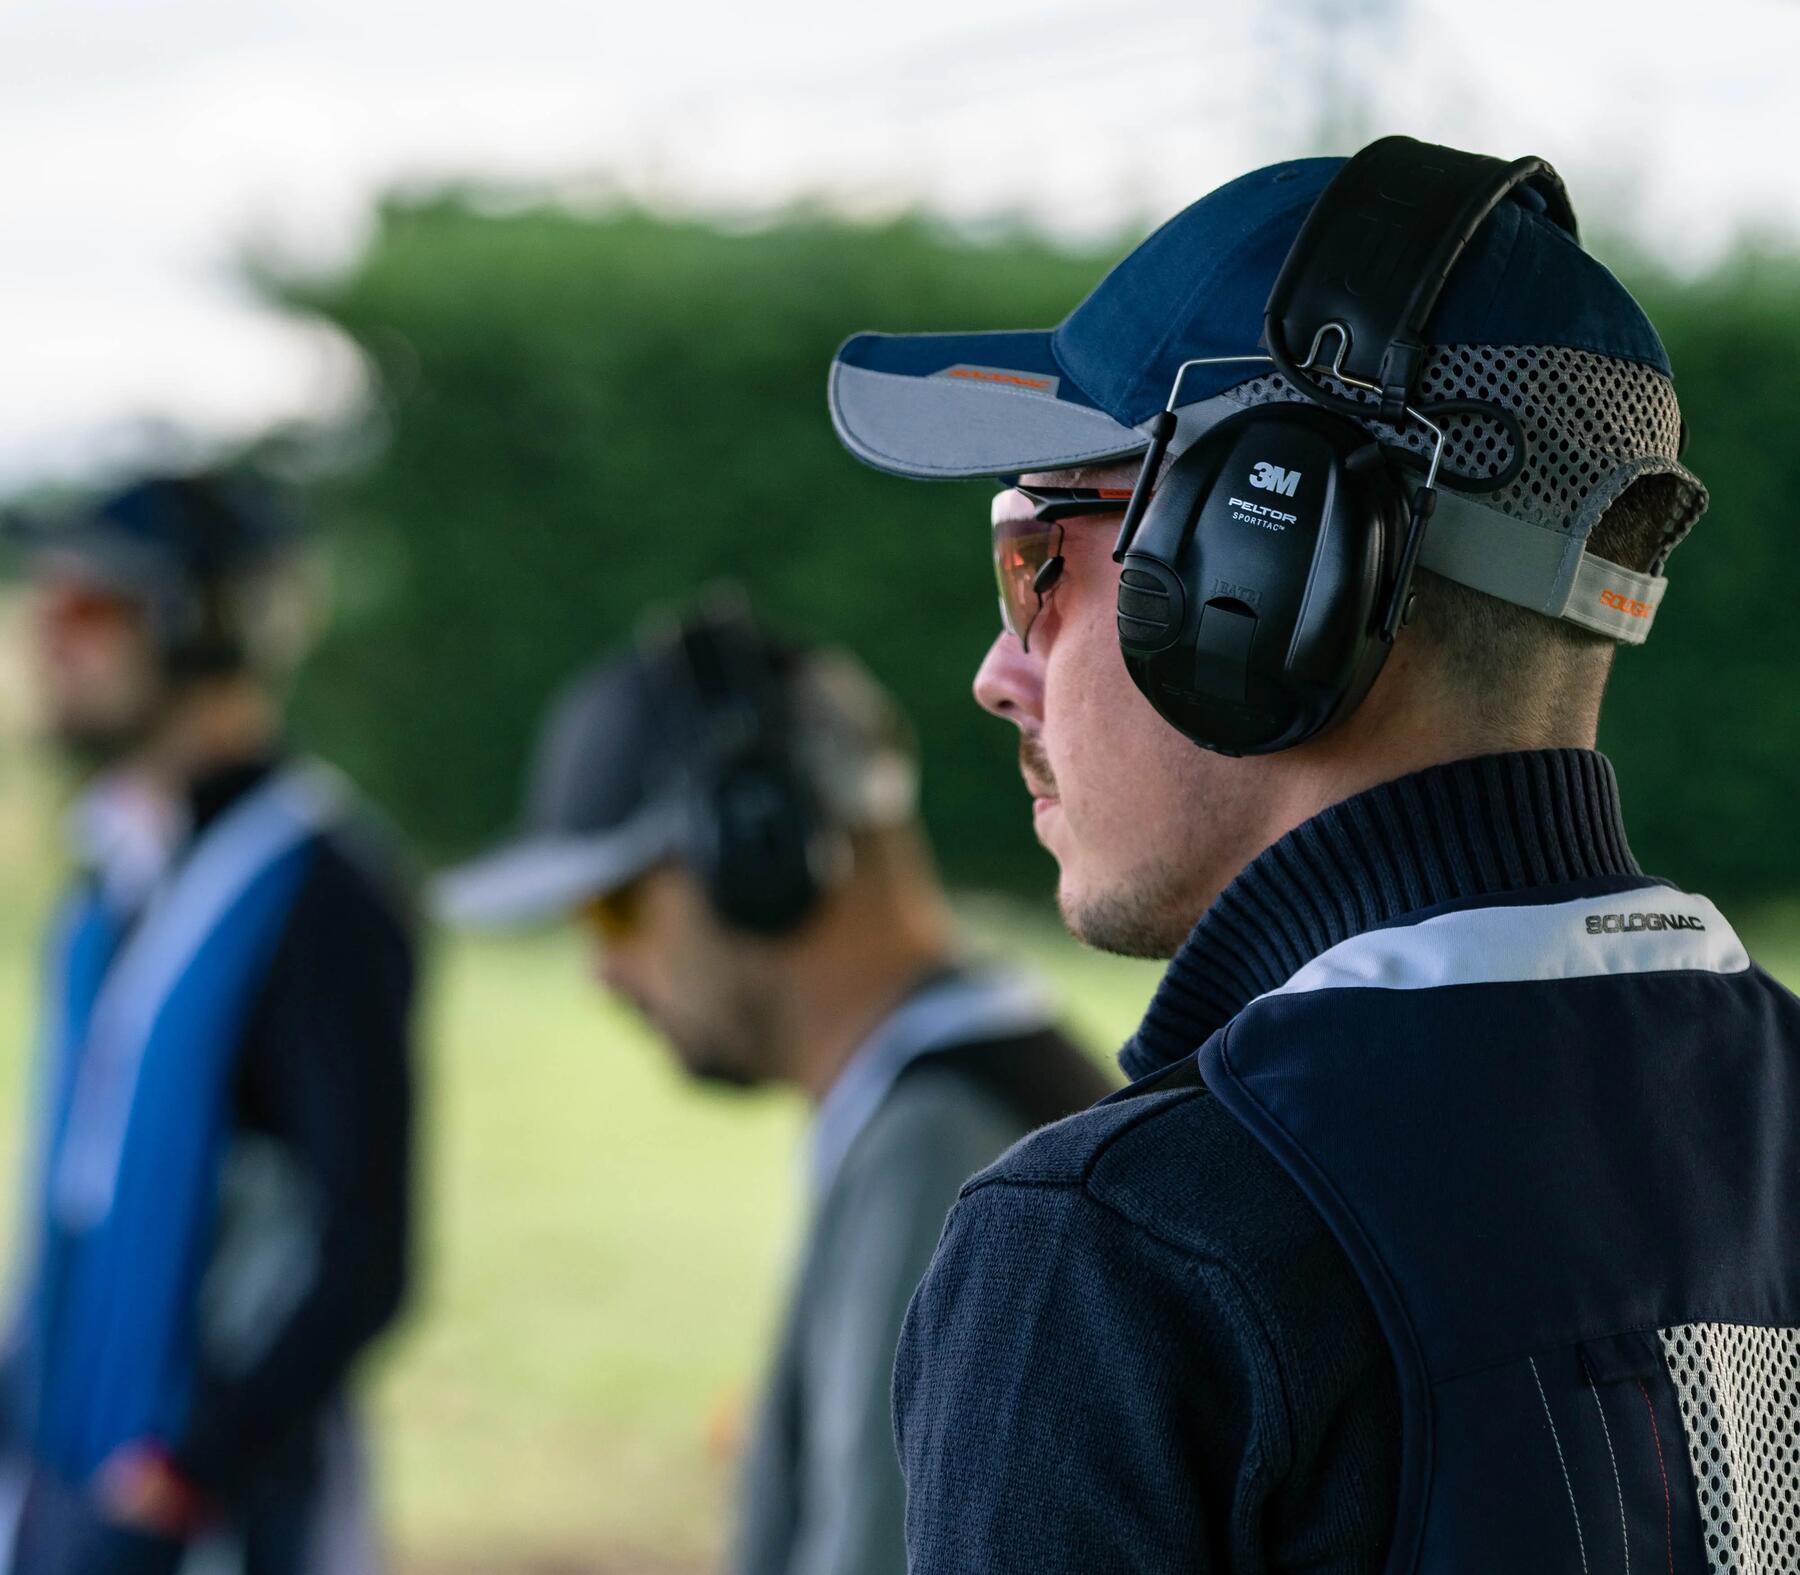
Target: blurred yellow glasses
{"type": "Point", "coordinates": [617, 915]}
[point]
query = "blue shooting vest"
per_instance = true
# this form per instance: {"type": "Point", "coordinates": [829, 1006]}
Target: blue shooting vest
{"type": "Point", "coordinates": [1560, 1142]}
{"type": "Point", "coordinates": [144, 1022]}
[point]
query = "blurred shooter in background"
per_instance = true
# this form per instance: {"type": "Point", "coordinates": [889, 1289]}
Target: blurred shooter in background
{"type": "Point", "coordinates": [220, 1201]}
{"type": "Point", "coordinates": [737, 822]}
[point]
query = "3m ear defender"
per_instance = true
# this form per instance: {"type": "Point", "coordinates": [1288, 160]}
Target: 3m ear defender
{"type": "Point", "coordinates": [754, 836]}
{"type": "Point", "coordinates": [1247, 601]}
{"type": "Point", "coordinates": [1264, 579]}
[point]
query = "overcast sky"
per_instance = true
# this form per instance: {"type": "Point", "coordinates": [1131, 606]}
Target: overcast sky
{"type": "Point", "coordinates": [152, 141]}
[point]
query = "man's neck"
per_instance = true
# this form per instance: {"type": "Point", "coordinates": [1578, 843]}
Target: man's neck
{"type": "Point", "coordinates": [228, 724]}
{"type": "Point", "coordinates": [851, 978]}
{"type": "Point", "coordinates": [1402, 729]}
{"type": "Point", "coordinates": [1477, 827]}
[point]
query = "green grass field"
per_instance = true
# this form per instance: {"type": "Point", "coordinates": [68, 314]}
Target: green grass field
{"type": "Point", "coordinates": [605, 1245]}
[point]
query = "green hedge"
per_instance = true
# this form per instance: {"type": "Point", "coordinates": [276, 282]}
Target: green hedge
{"type": "Point", "coordinates": [579, 415]}
{"type": "Point", "coordinates": [1704, 720]}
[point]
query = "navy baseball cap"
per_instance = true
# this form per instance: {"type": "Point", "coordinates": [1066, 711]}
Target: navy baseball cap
{"type": "Point", "coordinates": [1525, 318]}
{"type": "Point", "coordinates": [166, 528]}
{"type": "Point", "coordinates": [1000, 404]}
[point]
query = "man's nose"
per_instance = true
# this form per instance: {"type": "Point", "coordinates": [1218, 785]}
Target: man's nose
{"type": "Point", "coordinates": [1009, 683]}
{"type": "Point", "coordinates": [610, 967]}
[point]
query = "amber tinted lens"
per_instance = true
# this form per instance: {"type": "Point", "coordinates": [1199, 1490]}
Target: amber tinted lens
{"type": "Point", "coordinates": [87, 607]}
{"type": "Point", "coordinates": [613, 917]}
{"type": "Point", "coordinates": [1021, 549]}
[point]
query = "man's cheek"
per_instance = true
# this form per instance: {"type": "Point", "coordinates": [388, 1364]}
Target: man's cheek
{"type": "Point", "coordinates": [1077, 766]}
{"type": "Point", "coordinates": [1074, 690]}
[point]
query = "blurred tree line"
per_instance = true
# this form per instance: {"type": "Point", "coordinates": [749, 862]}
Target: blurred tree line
{"type": "Point", "coordinates": [575, 416]}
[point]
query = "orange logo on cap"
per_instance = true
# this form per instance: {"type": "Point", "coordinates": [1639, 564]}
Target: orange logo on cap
{"type": "Point", "coordinates": [983, 375]}
{"type": "Point", "coordinates": [1629, 605]}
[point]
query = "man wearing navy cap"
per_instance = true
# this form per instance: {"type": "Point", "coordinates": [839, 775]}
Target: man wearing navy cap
{"type": "Point", "coordinates": [220, 1195]}
{"type": "Point", "coordinates": [1449, 1223]}
{"type": "Point", "coordinates": [736, 822]}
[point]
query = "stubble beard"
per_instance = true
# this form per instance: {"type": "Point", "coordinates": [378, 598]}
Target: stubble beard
{"type": "Point", "coordinates": [1147, 915]}
{"type": "Point", "coordinates": [740, 1047]}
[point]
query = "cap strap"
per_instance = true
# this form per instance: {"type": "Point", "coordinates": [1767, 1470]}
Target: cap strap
{"type": "Point", "coordinates": [1534, 566]}
{"type": "Point", "coordinates": [1613, 600]}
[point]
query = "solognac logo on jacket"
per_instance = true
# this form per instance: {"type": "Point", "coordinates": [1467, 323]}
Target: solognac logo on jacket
{"type": "Point", "coordinates": [1631, 923]}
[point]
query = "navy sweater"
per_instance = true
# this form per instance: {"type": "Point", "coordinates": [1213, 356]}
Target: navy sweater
{"type": "Point", "coordinates": [325, 1070]}
{"type": "Point", "coordinates": [1138, 1347]}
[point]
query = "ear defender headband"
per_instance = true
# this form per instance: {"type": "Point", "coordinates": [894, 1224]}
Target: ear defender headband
{"type": "Point", "coordinates": [754, 836]}
{"type": "Point", "coordinates": [1264, 580]}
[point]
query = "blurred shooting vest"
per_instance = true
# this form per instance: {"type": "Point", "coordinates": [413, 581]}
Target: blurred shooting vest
{"type": "Point", "coordinates": [161, 1242]}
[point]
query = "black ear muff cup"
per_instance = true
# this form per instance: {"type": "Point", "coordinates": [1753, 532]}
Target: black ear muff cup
{"type": "Point", "coordinates": [755, 836]}
{"type": "Point", "coordinates": [1249, 601]}
{"type": "Point", "coordinates": [1262, 580]}
{"type": "Point", "coordinates": [754, 844]}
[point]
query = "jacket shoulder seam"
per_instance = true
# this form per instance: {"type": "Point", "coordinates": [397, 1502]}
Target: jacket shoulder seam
{"type": "Point", "coordinates": [1209, 1265]}
{"type": "Point", "coordinates": [1153, 1107]}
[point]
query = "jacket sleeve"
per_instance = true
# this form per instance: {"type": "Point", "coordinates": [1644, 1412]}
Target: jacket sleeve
{"type": "Point", "coordinates": [326, 1072]}
{"type": "Point", "coordinates": [1071, 1397]}
{"type": "Point", "coordinates": [884, 1221]}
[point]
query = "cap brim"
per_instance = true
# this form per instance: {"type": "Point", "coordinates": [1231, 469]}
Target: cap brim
{"type": "Point", "coordinates": [947, 406]}
{"type": "Point", "coordinates": [546, 877]}
{"type": "Point", "coordinates": [104, 554]}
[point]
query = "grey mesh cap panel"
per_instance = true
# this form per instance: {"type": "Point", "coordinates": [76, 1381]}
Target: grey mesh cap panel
{"type": "Point", "coordinates": [1592, 425]}
{"type": "Point", "coordinates": [941, 428]}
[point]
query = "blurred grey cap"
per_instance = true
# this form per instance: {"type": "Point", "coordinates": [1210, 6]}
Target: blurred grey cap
{"type": "Point", "coordinates": [606, 796]}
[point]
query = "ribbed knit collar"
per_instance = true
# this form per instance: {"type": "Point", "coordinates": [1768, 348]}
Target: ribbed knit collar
{"type": "Point", "coordinates": [1472, 828]}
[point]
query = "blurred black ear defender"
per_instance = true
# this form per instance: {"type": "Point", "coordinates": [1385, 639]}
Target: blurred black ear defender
{"type": "Point", "coordinates": [186, 546]}
{"type": "Point", "coordinates": [1263, 581]}
{"type": "Point", "coordinates": [197, 626]}
{"type": "Point", "coordinates": [754, 837]}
